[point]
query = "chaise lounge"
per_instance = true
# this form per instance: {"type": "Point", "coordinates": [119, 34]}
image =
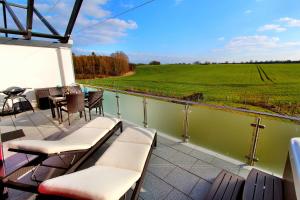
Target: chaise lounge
{"type": "Point", "coordinates": [84, 141]}
{"type": "Point", "coordinates": [122, 166]}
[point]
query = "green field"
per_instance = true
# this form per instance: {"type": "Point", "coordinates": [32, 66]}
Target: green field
{"type": "Point", "coordinates": [268, 87]}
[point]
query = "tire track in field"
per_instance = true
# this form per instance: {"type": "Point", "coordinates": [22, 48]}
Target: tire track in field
{"type": "Point", "coordinates": [262, 74]}
{"type": "Point", "coordinates": [259, 72]}
{"type": "Point", "coordinates": [266, 75]}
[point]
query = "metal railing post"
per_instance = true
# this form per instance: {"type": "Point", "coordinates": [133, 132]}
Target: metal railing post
{"type": "Point", "coordinates": [145, 112]}
{"type": "Point", "coordinates": [185, 135]}
{"type": "Point", "coordinates": [252, 152]}
{"type": "Point", "coordinates": [118, 105]}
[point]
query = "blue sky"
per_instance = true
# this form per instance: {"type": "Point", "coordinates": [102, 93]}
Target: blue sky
{"type": "Point", "coordinates": [185, 30]}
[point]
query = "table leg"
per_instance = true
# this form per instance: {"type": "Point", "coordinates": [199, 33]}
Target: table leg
{"type": "Point", "coordinates": [58, 114]}
{"type": "Point", "coordinates": [52, 109]}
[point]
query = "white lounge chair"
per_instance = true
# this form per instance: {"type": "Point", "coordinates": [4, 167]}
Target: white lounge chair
{"type": "Point", "coordinates": [82, 139]}
{"type": "Point", "coordinates": [85, 140]}
{"type": "Point", "coordinates": [121, 166]}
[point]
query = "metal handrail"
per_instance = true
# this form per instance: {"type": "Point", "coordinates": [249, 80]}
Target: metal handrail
{"type": "Point", "coordinates": [186, 102]}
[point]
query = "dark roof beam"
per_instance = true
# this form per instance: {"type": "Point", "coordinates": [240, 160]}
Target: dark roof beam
{"type": "Point", "coordinates": [14, 16]}
{"type": "Point", "coordinates": [72, 20]}
{"type": "Point", "coordinates": [4, 17]}
{"type": "Point", "coordinates": [14, 5]}
{"type": "Point", "coordinates": [45, 22]}
{"type": "Point", "coordinates": [30, 4]}
{"type": "Point", "coordinates": [12, 31]}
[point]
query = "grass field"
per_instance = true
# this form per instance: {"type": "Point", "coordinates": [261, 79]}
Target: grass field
{"type": "Point", "coordinates": [273, 87]}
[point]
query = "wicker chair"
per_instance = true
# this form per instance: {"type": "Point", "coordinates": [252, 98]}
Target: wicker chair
{"type": "Point", "coordinates": [56, 91]}
{"type": "Point", "coordinates": [75, 89]}
{"type": "Point", "coordinates": [94, 100]}
{"type": "Point", "coordinates": [74, 104]}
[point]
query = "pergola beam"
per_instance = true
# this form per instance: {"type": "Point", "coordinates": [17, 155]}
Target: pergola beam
{"type": "Point", "coordinates": [45, 22]}
{"type": "Point", "coordinates": [72, 20]}
{"type": "Point", "coordinates": [14, 4]}
{"type": "Point", "coordinates": [14, 16]}
{"type": "Point", "coordinates": [30, 4]}
{"type": "Point", "coordinates": [4, 17]}
{"type": "Point", "coordinates": [31, 10]}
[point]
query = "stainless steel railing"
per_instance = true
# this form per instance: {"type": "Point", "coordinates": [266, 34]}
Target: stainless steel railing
{"type": "Point", "coordinates": [257, 126]}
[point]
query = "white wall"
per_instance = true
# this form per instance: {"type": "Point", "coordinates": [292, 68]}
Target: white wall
{"type": "Point", "coordinates": [35, 64]}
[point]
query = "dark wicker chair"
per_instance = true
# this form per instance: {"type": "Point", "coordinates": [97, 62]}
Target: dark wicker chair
{"type": "Point", "coordinates": [94, 100]}
{"type": "Point", "coordinates": [74, 104]}
{"type": "Point", "coordinates": [75, 89]}
{"type": "Point", "coordinates": [56, 91]}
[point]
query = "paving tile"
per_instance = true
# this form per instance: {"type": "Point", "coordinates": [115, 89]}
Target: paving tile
{"type": "Point", "coordinates": [177, 195]}
{"type": "Point", "coordinates": [205, 170]}
{"type": "Point", "coordinates": [182, 180]}
{"type": "Point", "coordinates": [164, 151]}
{"type": "Point", "coordinates": [154, 188]}
{"type": "Point", "coordinates": [223, 164]}
{"type": "Point", "coordinates": [165, 141]}
{"type": "Point", "coordinates": [200, 190]}
{"type": "Point", "coordinates": [183, 160]}
{"type": "Point", "coordinates": [22, 121]}
{"type": "Point", "coordinates": [182, 147]}
{"type": "Point", "coordinates": [202, 156]}
{"type": "Point", "coordinates": [160, 167]}
{"type": "Point", "coordinates": [30, 133]}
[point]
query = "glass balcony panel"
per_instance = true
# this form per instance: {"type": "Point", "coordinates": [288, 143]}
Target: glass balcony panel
{"type": "Point", "coordinates": [166, 117]}
{"type": "Point", "coordinates": [273, 144]}
{"type": "Point", "coordinates": [227, 133]}
{"type": "Point", "coordinates": [131, 108]}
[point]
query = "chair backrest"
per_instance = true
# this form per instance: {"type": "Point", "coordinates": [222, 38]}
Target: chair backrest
{"type": "Point", "coordinates": [56, 91]}
{"type": "Point", "coordinates": [75, 102]}
{"type": "Point", "coordinates": [75, 89]}
{"type": "Point", "coordinates": [94, 97]}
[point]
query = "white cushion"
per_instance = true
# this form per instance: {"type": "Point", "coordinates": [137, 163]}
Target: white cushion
{"type": "Point", "coordinates": [96, 183]}
{"type": "Point", "coordinates": [102, 122]}
{"type": "Point", "coordinates": [85, 135]}
{"type": "Point", "coordinates": [44, 146]}
{"type": "Point", "coordinates": [81, 139]}
{"type": "Point", "coordinates": [137, 135]}
{"type": "Point", "coordinates": [125, 155]}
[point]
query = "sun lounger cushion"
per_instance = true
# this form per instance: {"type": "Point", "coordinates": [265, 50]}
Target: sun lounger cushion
{"type": "Point", "coordinates": [96, 183]}
{"type": "Point", "coordinates": [137, 135]}
{"type": "Point", "coordinates": [81, 139]}
{"type": "Point", "coordinates": [125, 155]}
{"type": "Point", "coordinates": [114, 173]}
{"type": "Point", "coordinates": [102, 122]}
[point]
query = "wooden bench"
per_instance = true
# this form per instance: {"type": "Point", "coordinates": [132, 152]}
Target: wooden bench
{"type": "Point", "coordinates": [227, 186]}
{"type": "Point", "coordinates": [260, 185]}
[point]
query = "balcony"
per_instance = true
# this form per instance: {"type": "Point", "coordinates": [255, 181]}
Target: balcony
{"type": "Point", "coordinates": [215, 139]}
{"type": "Point", "coordinates": [176, 170]}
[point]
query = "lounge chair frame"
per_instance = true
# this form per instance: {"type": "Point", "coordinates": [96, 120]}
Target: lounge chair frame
{"type": "Point", "coordinates": [137, 188]}
{"type": "Point", "coordinates": [11, 180]}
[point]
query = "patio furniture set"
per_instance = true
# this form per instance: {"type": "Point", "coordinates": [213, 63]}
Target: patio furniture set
{"type": "Point", "coordinates": [71, 99]}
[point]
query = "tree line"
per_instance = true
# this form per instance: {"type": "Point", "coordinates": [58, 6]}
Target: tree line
{"type": "Point", "coordinates": [93, 66]}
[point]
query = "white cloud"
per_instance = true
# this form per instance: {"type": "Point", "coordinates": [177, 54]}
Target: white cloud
{"type": "Point", "coordinates": [108, 32]}
{"type": "Point", "coordinates": [248, 12]}
{"type": "Point", "coordinates": [87, 29]}
{"type": "Point", "coordinates": [272, 27]}
{"type": "Point", "coordinates": [252, 42]}
{"type": "Point", "coordinates": [221, 38]}
{"type": "Point", "coordinates": [290, 21]}
{"type": "Point", "coordinates": [257, 47]}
